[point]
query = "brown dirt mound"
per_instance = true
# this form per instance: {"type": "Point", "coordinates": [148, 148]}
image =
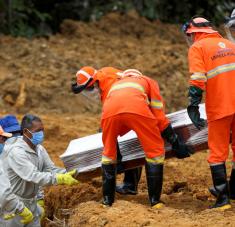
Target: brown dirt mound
{"type": "Point", "coordinates": [185, 195]}
{"type": "Point", "coordinates": [129, 213]}
{"type": "Point", "coordinates": [68, 197]}
{"type": "Point", "coordinates": [35, 74]}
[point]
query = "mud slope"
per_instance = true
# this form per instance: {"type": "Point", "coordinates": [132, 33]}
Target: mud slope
{"type": "Point", "coordinates": [36, 74]}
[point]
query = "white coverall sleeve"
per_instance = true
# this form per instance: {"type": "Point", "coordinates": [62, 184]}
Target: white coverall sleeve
{"type": "Point", "coordinates": [40, 194]}
{"type": "Point", "coordinates": [9, 203]}
{"type": "Point", "coordinates": [48, 164]}
{"type": "Point", "coordinates": [26, 170]}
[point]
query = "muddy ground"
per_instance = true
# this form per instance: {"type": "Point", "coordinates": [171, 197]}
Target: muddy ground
{"type": "Point", "coordinates": [35, 77]}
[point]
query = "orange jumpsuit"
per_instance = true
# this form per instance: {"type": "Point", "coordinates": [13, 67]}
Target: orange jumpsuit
{"type": "Point", "coordinates": [212, 67]}
{"type": "Point", "coordinates": [134, 103]}
{"type": "Point", "coordinates": [106, 77]}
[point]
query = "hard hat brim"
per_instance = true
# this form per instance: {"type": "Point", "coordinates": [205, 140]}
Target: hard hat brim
{"type": "Point", "coordinates": [203, 30]}
{"type": "Point", "coordinates": [6, 134]}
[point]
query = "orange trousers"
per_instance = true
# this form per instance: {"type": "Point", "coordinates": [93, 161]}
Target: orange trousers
{"type": "Point", "coordinates": [146, 129]}
{"type": "Point", "coordinates": [219, 132]}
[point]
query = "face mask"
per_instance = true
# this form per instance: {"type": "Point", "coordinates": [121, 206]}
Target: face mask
{"type": "Point", "coordinates": [93, 94]}
{"type": "Point", "coordinates": [1, 147]}
{"type": "Point", "coordinates": [37, 137]}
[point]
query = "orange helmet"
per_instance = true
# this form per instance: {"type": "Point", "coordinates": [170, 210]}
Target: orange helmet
{"type": "Point", "coordinates": [85, 78]}
{"type": "Point", "coordinates": [132, 72]}
{"type": "Point", "coordinates": [86, 74]}
{"type": "Point", "coordinates": [198, 24]}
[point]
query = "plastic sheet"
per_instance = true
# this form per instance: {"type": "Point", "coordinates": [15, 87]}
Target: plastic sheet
{"type": "Point", "coordinates": [84, 153]}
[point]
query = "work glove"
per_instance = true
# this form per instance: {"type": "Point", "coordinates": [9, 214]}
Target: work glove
{"type": "Point", "coordinates": [178, 146]}
{"type": "Point", "coordinates": [67, 178]}
{"type": "Point", "coordinates": [26, 215]}
{"type": "Point", "coordinates": [195, 98]}
{"type": "Point", "coordinates": [8, 216]}
{"type": "Point", "coordinates": [41, 205]}
{"type": "Point", "coordinates": [181, 149]}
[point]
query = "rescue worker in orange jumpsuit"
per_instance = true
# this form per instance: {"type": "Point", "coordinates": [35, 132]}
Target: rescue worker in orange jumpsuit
{"type": "Point", "coordinates": [212, 68]}
{"type": "Point", "coordinates": [133, 102]}
{"type": "Point", "coordinates": [103, 80]}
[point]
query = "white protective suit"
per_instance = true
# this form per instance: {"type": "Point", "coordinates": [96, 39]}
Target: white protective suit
{"type": "Point", "coordinates": [28, 170]}
{"type": "Point", "coordinates": [52, 167]}
{"type": "Point", "coordinates": [9, 203]}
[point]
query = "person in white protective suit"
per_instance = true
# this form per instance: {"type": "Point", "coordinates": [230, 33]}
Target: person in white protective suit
{"type": "Point", "coordinates": [11, 125]}
{"type": "Point", "coordinates": [10, 205]}
{"type": "Point", "coordinates": [28, 167]}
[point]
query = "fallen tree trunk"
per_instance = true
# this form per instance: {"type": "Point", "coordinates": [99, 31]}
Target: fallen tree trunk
{"type": "Point", "coordinates": [84, 153]}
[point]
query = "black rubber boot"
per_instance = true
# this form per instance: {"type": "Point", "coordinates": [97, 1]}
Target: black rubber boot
{"type": "Point", "coordinates": [109, 183]}
{"type": "Point", "coordinates": [232, 185]}
{"type": "Point", "coordinates": [219, 178]}
{"type": "Point", "coordinates": [213, 191]}
{"type": "Point", "coordinates": [154, 175]}
{"type": "Point", "coordinates": [130, 182]}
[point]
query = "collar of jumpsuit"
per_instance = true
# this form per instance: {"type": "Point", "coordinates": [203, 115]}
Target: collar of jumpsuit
{"type": "Point", "coordinates": [198, 28]}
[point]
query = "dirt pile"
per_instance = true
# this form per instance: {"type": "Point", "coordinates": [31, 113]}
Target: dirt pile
{"type": "Point", "coordinates": [36, 74]}
{"type": "Point", "coordinates": [185, 195]}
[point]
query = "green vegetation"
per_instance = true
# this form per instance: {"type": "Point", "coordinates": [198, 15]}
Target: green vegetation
{"type": "Point", "coordinates": [42, 17]}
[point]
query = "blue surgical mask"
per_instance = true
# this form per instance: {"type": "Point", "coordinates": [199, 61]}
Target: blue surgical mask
{"type": "Point", "coordinates": [37, 137]}
{"type": "Point", "coordinates": [1, 147]}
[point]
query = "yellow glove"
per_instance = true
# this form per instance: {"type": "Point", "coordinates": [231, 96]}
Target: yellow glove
{"type": "Point", "coordinates": [26, 215]}
{"type": "Point", "coordinates": [41, 203]}
{"type": "Point", "coordinates": [67, 178]}
{"type": "Point", "coordinates": [42, 207]}
{"type": "Point", "coordinates": [8, 216]}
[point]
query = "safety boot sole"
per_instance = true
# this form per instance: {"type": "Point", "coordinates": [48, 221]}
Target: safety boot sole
{"type": "Point", "coordinates": [158, 206]}
{"type": "Point", "coordinates": [222, 208]}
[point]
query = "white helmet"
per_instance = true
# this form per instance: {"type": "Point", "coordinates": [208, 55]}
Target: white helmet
{"type": "Point", "coordinates": [230, 27]}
